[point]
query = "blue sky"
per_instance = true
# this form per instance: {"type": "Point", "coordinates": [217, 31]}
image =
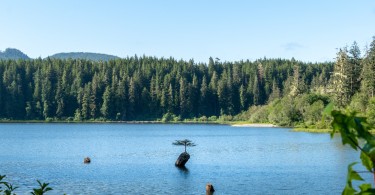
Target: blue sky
{"type": "Point", "coordinates": [230, 30]}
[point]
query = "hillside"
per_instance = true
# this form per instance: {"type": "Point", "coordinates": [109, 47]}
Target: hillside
{"type": "Point", "coordinates": [12, 54]}
{"type": "Point", "coordinates": [84, 55]}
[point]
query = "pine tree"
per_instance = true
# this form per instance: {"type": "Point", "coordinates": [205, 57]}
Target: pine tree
{"type": "Point", "coordinates": [183, 98]}
{"type": "Point", "coordinates": [106, 109]}
{"type": "Point", "coordinates": [170, 99]}
{"type": "Point", "coordinates": [60, 99]}
{"type": "Point", "coordinates": [213, 96]}
{"type": "Point", "coordinates": [298, 84]}
{"type": "Point", "coordinates": [275, 92]}
{"type": "Point", "coordinates": [341, 82]}
{"type": "Point", "coordinates": [145, 97]}
{"type": "Point", "coordinates": [243, 97]}
{"type": "Point", "coordinates": [132, 99]}
{"type": "Point", "coordinates": [85, 109]}
{"type": "Point", "coordinates": [194, 96]}
{"type": "Point", "coordinates": [355, 68]}
{"type": "Point", "coordinates": [203, 101]}
{"type": "Point", "coordinates": [368, 73]}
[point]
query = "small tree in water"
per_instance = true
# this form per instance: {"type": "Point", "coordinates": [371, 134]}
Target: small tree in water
{"type": "Point", "coordinates": [184, 142]}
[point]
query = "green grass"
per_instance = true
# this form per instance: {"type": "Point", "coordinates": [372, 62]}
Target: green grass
{"type": "Point", "coordinates": [312, 130]}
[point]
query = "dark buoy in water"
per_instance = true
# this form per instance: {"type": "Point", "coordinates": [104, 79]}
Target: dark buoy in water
{"type": "Point", "coordinates": [209, 189]}
{"type": "Point", "coordinates": [87, 160]}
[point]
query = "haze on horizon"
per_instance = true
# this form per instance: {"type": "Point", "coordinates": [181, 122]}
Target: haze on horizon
{"type": "Point", "coordinates": [229, 30]}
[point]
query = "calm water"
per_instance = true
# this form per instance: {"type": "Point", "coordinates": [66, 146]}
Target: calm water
{"type": "Point", "coordinates": [139, 159]}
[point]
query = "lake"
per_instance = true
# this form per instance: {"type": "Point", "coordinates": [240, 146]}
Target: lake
{"type": "Point", "coordinates": [139, 159]}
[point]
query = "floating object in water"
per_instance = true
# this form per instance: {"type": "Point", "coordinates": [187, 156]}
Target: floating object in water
{"type": "Point", "coordinates": [209, 189]}
{"type": "Point", "coordinates": [87, 160]}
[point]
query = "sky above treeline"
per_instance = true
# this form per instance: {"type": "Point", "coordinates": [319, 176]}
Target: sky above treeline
{"type": "Point", "coordinates": [235, 30]}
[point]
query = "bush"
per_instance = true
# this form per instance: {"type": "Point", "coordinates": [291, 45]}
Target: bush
{"type": "Point", "coordinates": [203, 119]}
{"type": "Point", "coordinates": [177, 118]}
{"type": "Point", "coordinates": [260, 115]}
{"type": "Point", "coordinates": [225, 117]}
{"type": "Point", "coordinates": [70, 119]}
{"type": "Point", "coordinates": [167, 117]}
{"type": "Point", "coordinates": [212, 118]}
{"type": "Point", "coordinates": [49, 119]}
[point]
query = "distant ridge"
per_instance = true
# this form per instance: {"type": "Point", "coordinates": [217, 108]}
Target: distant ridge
{"type": "Point", "coordinates": [12, 54]}
{"type": "Point", "coordinates": [84, 55]}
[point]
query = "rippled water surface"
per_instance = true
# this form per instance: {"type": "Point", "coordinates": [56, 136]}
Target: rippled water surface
{"type": "Point", "coordinates": [139, 159]}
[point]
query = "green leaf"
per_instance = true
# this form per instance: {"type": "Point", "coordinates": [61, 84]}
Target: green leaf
{"type": "Point", "coordinates": [372, 154]}
{"type": "Point", "coordinates": [366, 161]}
{"type": "Point", "coordinates": [353, 175]}
{"type": "Point", "coordinates": [367, 147]}
{"type": "Point", "coordinates": [368, 191]}
{"type": "Point", "coordinates": [348, 190]}
{"type": "Point", "coordinates": [328, 109]}
{"type": "Point", "coordinates": [364, 187]}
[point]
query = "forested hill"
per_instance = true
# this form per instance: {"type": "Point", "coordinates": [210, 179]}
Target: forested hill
{"type": "Point", "coordinates": [12, 54]}
{"type": "Point", "coordinates": [84, 55]}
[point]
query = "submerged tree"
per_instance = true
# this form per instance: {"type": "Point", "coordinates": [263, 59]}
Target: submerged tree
{"type": "Point", "coordinates": [184, 142]}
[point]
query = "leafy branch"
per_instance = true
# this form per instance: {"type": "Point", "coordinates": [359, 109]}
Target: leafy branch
{"type": "Point", "coordinates": [43, 188]}
{"type": "Point", "coordinates": [354, 131]}
{"type": "Point", "coordinates": [9, 188]}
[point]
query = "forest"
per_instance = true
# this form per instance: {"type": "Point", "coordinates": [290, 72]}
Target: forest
{"type": "Point", "coordinates": [279, 91]}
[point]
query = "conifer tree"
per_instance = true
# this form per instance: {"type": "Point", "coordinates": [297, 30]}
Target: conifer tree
{"type": "Point", "coordinates": [341, 82]}
{"type": "Point", "coordinates": [368, 73]}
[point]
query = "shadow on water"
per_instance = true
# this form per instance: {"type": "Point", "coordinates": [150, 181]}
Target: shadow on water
{"type": "Point", "coordinates": [183, 170]}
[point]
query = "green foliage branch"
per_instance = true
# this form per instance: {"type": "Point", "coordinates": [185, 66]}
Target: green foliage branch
{"type": "Point", "coordinates": [9, 188]}
{"type": "Point", "coordinates": [354, 131]}
{"type": "Point", "coordinates": [43, 188]}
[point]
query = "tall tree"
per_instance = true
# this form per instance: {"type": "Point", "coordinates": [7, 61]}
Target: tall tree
{"type": "Point", "coordinates": [183, 98]}
{"type": "Point", "coordinates": [341, 82]}
{"type": "Point", "coordinates": [298, 84]}
{"type": "Point", "coordinates": [368, 73]}
{"type": "Point", "coordinates": [106, 109]}
{"type": "Point", "coordinates": [355, 68]}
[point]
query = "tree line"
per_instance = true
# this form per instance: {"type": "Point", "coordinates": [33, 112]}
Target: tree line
{"type": "Point", "coordinates": [280, 91]}
{"type": "Point", "coordinates": [146, 88]}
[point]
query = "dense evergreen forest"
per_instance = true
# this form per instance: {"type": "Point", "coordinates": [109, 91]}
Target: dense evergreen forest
{"type": "Point", "coordinates": [284, 92]}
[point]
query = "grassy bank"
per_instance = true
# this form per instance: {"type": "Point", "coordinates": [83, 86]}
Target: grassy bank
{"type": "Point", "coordinates": [312, 130]}
{"type": "Point", "coordinates": [320, 130]}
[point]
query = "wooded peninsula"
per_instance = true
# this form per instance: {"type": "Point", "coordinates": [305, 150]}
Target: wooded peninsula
{"type": "Point", "coordinates": [277, 91]}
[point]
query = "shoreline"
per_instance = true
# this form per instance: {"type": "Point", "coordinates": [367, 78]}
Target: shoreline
{"type": "Point", "coordinates": [231, 123]}
{"type": "Point", "coordinates": [254, 125]}
{"type": "Point", "coordinates": [109, 122]}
